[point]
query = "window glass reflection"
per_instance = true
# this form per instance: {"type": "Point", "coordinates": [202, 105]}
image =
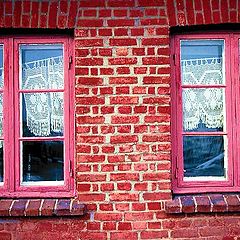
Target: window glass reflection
{"type": "Point", "coordinates": [203, 156]}
{"type": "Point", "coordinates": [42, 161]}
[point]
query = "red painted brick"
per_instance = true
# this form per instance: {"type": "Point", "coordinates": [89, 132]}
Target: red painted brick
{"type": "Point", "coordinates": [96, 3]}
{"type": "Point", "coordinates": [33, 207]}
{"type": "Point", "coordinates": [124, 176]}
{"type": "Point", "coordinates": [18, 207]}
{"type": "Point", "coordinates": [120, 22]}
{"type": "Point", "coordinates": [90, 23]}
{"type": "Point", "coordinates": [5, 205]}
{"type": "Point", "coordinates": [122, 41]}
{"type": "Point", "coordinates": [124, 235]}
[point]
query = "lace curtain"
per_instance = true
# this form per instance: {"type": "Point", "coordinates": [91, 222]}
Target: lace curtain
{"type": "Point", "coordinates": [202, 105]}
{"type": "Point", "coordinates": [44, 111]}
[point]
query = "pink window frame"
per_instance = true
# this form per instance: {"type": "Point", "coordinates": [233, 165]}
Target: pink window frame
{"type": "Point", "coordinates": [11, 122]}
{"type": "Point", "coordinates": [232, 119]}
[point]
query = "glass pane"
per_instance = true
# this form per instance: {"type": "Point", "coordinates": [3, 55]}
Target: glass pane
{"type": "Point", "coordinates": [1, 67]}
{"type": "Point", "coordinates": [1, 161]}
{"type": "Point", "coordinates": [42, 161]}
{"type": "Point", "coordinates": [42, 114]}
{"type": "Point", "coordinates": [203, 156]}
{"type": "Point", "coordinates": [203, 109]}
{"type": "Point", "coordinates": [41, 66]}
{"type": "Point", "coordinates": [202, 62]}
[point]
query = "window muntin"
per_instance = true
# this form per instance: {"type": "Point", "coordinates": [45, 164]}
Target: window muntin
{"type": "Point", "coordinates": [1, 115]}
{"type": "Point", "coordinates": [38, 124]}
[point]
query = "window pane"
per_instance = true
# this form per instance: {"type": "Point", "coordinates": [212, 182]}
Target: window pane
{"type": "Point", "coordinates": [42, 114]}
{"type": "Point", "coordinates": [204, 156]}
{"type": "Point", "coordinates": [42, 161]}
{"type": "Point", "coordinates": [203, 109]}
{"type": "Point", "coordinates": [41, 66]}
{"type": "Point", "coordinates": [1, 67]}
{"type": "Point", "coordinates": [202, 62]}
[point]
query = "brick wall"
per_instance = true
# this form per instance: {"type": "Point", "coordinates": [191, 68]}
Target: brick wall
{"type": "Point", "coordinates": [122, 69]}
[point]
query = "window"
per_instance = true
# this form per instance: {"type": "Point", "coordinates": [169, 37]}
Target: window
{"type": "Point", "coordinates": [206, 113]}
{"type": "Point", "coordinates": [36, 122]}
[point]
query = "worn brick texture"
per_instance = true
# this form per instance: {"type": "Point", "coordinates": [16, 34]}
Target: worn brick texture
{"type": "Point", "coordinates": [122, 111]}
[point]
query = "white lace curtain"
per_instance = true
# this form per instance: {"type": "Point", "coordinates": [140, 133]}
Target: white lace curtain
{"type": "Point", "coordinates": [44, 111]}
{"type": "Point", "coordinates": [202, 105]}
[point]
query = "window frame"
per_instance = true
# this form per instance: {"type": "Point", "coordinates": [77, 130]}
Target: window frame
{"type": "Point", "coordinates": [232, 184]}
{"type": "Point", "coordinates": [11, 120]}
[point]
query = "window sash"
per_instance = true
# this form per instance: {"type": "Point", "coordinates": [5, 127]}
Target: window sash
{"type": "Point", "coordinates": [12, 186]}
{"type": "Point", "coordinates": [181, 184]}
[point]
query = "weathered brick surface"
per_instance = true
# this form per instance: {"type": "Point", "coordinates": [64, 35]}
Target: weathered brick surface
{"type": "Point", "coordinates": [122, 114]}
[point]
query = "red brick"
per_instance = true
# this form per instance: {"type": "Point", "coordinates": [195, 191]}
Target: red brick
{"type": "Point", "coordinates": [219, 205]}
{"type": "Point", "coordinates": [188, 205]}
{"type": "Point", "coordinates": [105, 52]}
{"type": "Point", "coordinates": [203, 203]}
{"type": "Point", "coordinates": [154, 41]}
{"type": "Point", "coordinates": [124, 119]}
{"type": "Point", "coordinates": [91, 81]}
{"type": "Point", "coordinates": [109, 226]}
{"type": "Point", "coordinates": [157, 196]}
{"type": "Point", "coordinates": [124, 139]}
{"type": "Point", "coordinates": [96, 3]}
{"type": "Point", "coordinates": [124, 100]}
{"type": "Point", "coordinates": [5, 205]}
{"type": "Point", "coordinates": [154, 234]}
{"type": "Point", "coordinates": [151, 3]}
{"type": "Point", "coordinates": [88, 43]}
{"type": "Point", "coordinates": [124, 197]}
{"type": "Point", "coordinates": [137, 216]}
{"type": "Point", "coordinates": [107, 187]}
{"type": "Point", "coordinates": [124, 176]}
{"type": "Point", "coordinates": [120, 13]}
{"type": "Point", "coordinates": [48, 207]}
{"type": "Point", "coordinates": [106, 207]}
{"type": "Point", "coordinates": [17, 14]}
{"type": "Point", "coordinates": [53, 9]}
{"type": "Point", "coordinates": [121, 3]}
{"type": "Point", "coordinates": [123, 80]}
{"type": "Point", "coordinates": [5, 236]}
{"type": "Point", "coordinates": [122, 42]}
{"type": "Point", "coordinates": [83, 187]}
{"type": "Point", "coordinates": [233, 203]}
{"type": "Point", "coordinates": [155, 61]}
{"type": "Point", "coordinates": [108, 216]}
{"type": "Point", "coordinates": [122, 61]}
{"type": "Point", "coordinates": [92, 177]}
{"type": "Point", "coordinates": [124, 235]}
{"type": "Point", "coordinates": [105, 32]}
{"type": "Point", "coordinates": [18, 207]}
{"type": "Point", "coordinates": [33, 207]}
{"type": "Point", "coordinates": [138, 207]}
{"type": "Point", "coordinates": [90, 100]}
{"type": "Point", "coordinates": [124, 226]}
{"type": "Point", "coordinates": [90, 23]}
{"type": "Point", "coordinates": [120, 22]}
{"type": "Point", "coordinates": [121, 32]}
{"type": "Point", "coordinates": [105, 13]}
{"type": "Point", "coordinates": [93, 226]}
{"type": "Point", "coordinates": [185, 233]}
{"type": "Point", "coordinates": [93, 197]}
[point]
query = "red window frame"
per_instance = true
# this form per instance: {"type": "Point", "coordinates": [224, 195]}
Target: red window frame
{"type": "Point", "coordinates": [232, 93]}
{"type": "Point", "coordinates": [12, 186]}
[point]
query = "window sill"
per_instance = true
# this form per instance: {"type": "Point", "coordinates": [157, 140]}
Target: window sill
{"type": "Point", "coordinates": [41, 207]}
{"type": "Point", "coordinates": [208, 203]}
